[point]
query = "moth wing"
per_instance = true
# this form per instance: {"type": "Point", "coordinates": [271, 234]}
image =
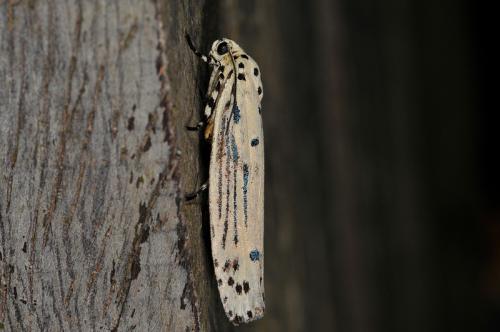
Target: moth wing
{"type": "Point", "coordinates": [236, 196]}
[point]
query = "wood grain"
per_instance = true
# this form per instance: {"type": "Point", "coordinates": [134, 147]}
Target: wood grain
{"type": "Point", "coordinates": [94, 234]}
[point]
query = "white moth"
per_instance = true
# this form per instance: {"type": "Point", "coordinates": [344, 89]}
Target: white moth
{"type": "Point", "coordinates": [236, 179]}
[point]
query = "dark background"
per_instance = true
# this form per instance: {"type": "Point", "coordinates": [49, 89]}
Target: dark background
{"type": "Point", "coordinates": [382, 185]}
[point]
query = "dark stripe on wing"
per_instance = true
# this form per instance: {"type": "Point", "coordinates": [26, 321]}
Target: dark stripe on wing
{"type": "Point", "coordinates": [220, 155]}
{"type": "Point", "coordinates": [234, 149]}
{"type": "Point", "coordinates": [246, 174]}
{"type": "Point", "coordinates": [227, 170]}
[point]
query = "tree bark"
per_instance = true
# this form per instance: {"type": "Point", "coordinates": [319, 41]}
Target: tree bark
{"type": "Point", "coordinates": [94, 233]}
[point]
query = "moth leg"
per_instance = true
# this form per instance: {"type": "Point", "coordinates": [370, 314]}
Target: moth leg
{"type": "Point", "coordinates": [209, 129]}
{"type": "Point", "coordinates": [198, 126]}
{"type": "Point", "coordinates": [191, 196]}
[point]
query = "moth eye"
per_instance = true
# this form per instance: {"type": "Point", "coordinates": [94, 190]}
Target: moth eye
{"type": "Point", "coordinates": [222, 48]}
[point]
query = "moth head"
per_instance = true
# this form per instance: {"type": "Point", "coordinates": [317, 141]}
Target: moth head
{"type": "Point", "coordinates": [222, 48]}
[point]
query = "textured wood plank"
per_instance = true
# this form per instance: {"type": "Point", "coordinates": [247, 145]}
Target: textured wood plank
{"type": "Point", "coordinates": [93, 232]}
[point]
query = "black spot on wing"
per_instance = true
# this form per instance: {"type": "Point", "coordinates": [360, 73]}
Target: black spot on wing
{"type": "Point", "coordinates": [226, 266]}
{"type": "Point", "coordinates": [254, 255]}
{"type": "Point", "coordinates": [246, 286]}
{"type": "Point", "coordinates": [230, 281]}
{"type": "Point", "coordinates": [236, 265]}
{"type": "Point", "coordinates": [241, 65]}
{"type": "Point", "coordinates": [259, 90]}
{"type": "Point", "coordinates": [256, 71]}
{"type": "Point", "coordinates": [238, 289]}
{"type": "Point", "coordinates": [249, 314]}
{"type": "Point", "coordinates": [244, 56]}
{"type": "Point", "coordinates": [254, 142]}
{"type": "Point", "coordinates": [241, 77]}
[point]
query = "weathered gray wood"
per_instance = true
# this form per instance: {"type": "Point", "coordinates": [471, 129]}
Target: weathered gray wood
{"type": "Point", "coordinates": [94, 234]}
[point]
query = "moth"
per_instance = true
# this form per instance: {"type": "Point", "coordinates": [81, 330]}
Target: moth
{"type": "Point", "coordinates": [236, 178]}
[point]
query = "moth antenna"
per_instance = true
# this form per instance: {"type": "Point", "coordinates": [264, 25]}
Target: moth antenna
{"type": "Point", "coordinates": [200, 55]}
{"type": "Point", "coordinates": [195, 51]}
